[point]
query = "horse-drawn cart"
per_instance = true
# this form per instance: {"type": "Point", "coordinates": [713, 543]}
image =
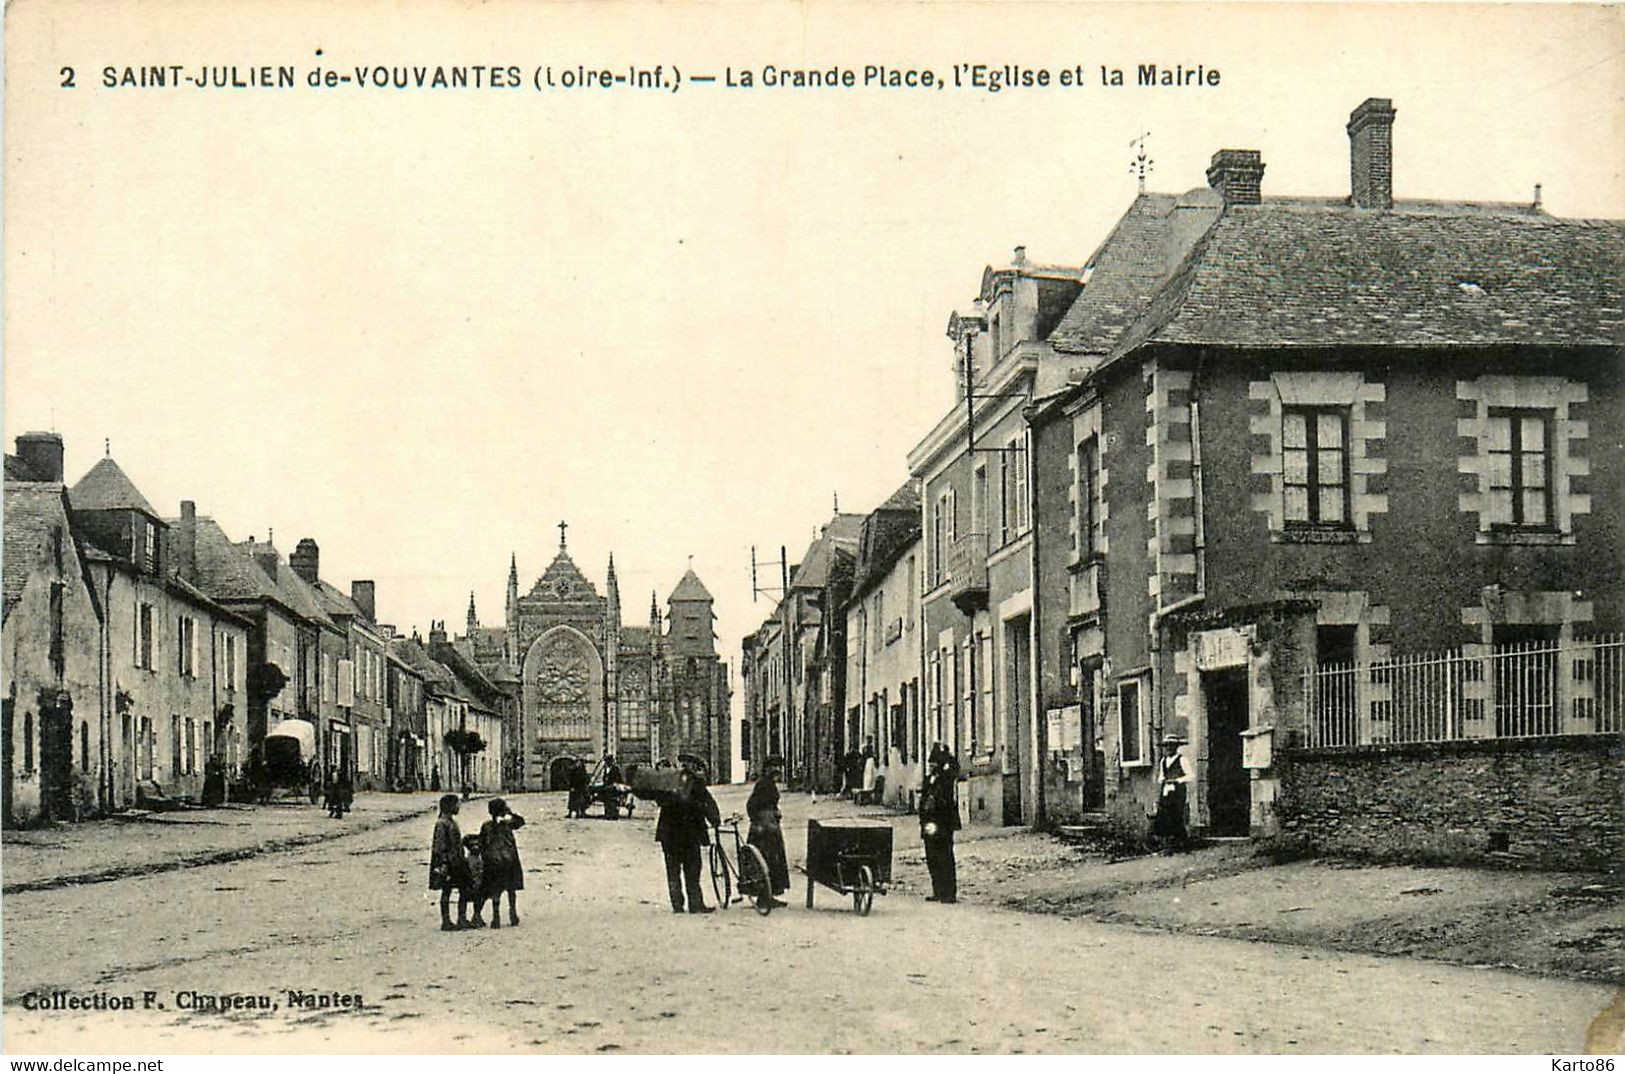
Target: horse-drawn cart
{"type": "Point", "coordinates": [854, 859]}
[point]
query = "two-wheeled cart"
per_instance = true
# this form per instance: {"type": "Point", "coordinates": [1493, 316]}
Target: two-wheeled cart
{"type": "Point", "coordinates": [852, 858]}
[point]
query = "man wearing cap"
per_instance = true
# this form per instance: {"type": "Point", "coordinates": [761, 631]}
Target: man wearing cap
{"type": "Point", "coordinates": [683, 828]}
{"type": "Point", "coordinates": [1169, 825]}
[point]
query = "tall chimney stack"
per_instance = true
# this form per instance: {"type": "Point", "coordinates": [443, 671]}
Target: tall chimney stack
{"type": "Point", "coordinates": [186, 542]}
{"type": "Point", "coordinates": [306, 560]}
{"type": "Point", "coordinates": [365, 595]}
{"type": "Point", "coordinates": [1371, 154]}
{"type": "Point", "coordinates": [42, 454]}
{"type": "Point", "coordinates": [1238, 174]}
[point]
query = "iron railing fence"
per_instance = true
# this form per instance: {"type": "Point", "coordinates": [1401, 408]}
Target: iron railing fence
{"type": "Point", "coordinates": [1517, 690]}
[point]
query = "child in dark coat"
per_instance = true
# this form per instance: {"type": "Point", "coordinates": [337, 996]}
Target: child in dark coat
{"type": "Point", "coordinates": [448, 865]}
{"type": "Point", "coordinates": [500, 854]}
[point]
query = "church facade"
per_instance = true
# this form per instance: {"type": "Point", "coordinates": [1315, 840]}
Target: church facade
{"type": "Point", "coordinates": [586, 684]}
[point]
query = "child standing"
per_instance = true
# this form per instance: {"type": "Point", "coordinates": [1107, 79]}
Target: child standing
{"type": "Point", "coordinates": [501, 856]}
{"type": "Point", "coordinates": [448, 866]}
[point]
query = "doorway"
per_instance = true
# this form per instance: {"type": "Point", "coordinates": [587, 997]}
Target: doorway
{"type": "Point", "coordinates": [1018, 725]}
{"type": "Point", "coordinates": [1228, 795]}
{"type": "Point", "coordinates": [558, 773]}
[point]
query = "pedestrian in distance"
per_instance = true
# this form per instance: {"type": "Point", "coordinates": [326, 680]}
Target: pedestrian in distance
{"type": "Point", "coordinates": [500, 855]}
{"type": "Point", "coordinates": [939, 819]}
{"type": "Point", "coordinates": [871, 774]}
{"type": "Point", "coordinates": [684, 827]}
{"type": "Point", "coordinates": [448, 865]}
{"type": "Point", "coordinates": [767, 832]}
{"type": "Point", "coordinates": [576, 805]}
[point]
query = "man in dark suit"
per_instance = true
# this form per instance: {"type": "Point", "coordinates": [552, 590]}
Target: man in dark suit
{"type": "Point", "coordinates": [683, 828]}
{"type": "Point", "coordinates": [939, 819]}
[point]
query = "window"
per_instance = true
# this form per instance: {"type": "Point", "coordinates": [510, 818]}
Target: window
{"type": "Point", "coordinates": [942, 535]}
{"type": "Point", "coordinates": [186, 645]}
{"type": "Point", "coordinates": [207, 748]}
{"type": "Point", "coordinates": [143, 637]}
{"type": "Point", "coordinates": [84, 746]}
{"type": "Point", "coordinates": [1130, 730]}
{"type": "Point", "coordinates": [984, 711]}
{"type": "Point", "coordinates": [1015, 460]}
{"type": "Point", "coordinates": [1088, 492]}
{"type": "Point", "coordinates": [149, 747]}
{"type": "Point", "coordinates": [174, 746]}
{"type": "Point", "coordinates": [1524, 661]}
{"type": "Point", "coordinates": [28, 742]}
{"type": "Point", "coordinates": [934, 687]}
{"type": "Point", "coordinates": [1520, 485]}
{"type": "Point", "coordinates": [191, 746]}
{"type": "Point", "coordinates": [908, 607]}
{"type": "Point", "coordinates": [149, 550]}
{"type": "Point", "coordinates": [880, 619]}
{"type": "Point", "coordinates": [231, 662]}
{"type": "Point", "coordinates": [1314, 462]}
{"type": "Point", "coordinates": [979, 504]}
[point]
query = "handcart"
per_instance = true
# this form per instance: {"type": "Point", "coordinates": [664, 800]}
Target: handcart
{"type": "Point", "coordinates": [852, 858]}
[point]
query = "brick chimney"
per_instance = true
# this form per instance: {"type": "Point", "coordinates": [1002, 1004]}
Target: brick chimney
{"type": "Point", "coordinates": [42, 454]}
{"type": "Point", "coordinates": [437, 632]}
{"type": "Point", "coordinates": [186, 542]}
{"type": "Point", "coordinates": [365, 595]}
{"type": "Point", "coordinates": [306, 560]}
{"type": "Point", "coordinates": [1238, 174]}
{"type": "Point", "coordinates": [1371, 154]}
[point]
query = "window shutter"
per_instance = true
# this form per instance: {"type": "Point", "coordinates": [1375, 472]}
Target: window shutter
{"type": "Point", "coordinates": [346, 683]}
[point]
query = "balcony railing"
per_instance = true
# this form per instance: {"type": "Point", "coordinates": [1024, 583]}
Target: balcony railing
{"type": "Point", "coordinates": [967, 572]}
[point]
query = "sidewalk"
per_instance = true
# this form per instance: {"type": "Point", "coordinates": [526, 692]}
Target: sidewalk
{"type": "Point", "coordinates": [117, 847]}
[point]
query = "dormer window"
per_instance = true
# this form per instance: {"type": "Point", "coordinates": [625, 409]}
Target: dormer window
{"type": "Point", "coordinates": [149, 549]}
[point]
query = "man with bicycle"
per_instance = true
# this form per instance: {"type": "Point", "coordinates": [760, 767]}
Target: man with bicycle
{"type": "Point", "coordinates": [683, 828]}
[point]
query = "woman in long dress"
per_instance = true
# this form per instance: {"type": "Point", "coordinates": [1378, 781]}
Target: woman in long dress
{"type": "Point", "coordinates": [767, 832]}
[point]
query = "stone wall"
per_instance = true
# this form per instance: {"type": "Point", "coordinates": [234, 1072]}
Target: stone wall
{"type": "Point", "coordinates": [1553, 802]}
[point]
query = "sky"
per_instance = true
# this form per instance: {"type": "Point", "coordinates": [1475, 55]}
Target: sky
{"type": "Point", "coordinates": [423, 327]}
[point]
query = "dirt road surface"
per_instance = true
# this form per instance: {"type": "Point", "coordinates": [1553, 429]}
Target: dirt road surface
{"type": "Point", "coordinates": [600, 964]}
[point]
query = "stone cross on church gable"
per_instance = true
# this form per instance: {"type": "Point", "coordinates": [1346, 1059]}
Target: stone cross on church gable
{"type": "Point", "coordinates": [562, 527]}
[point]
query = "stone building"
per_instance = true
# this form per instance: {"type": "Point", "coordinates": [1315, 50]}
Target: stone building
{"type": "Point", "coordinates": [55, 742]}
{"type": "Point", "coordinates": [176, 658]}
{"type": "Point", "coordinates": [976, 525]}
{"type": "Point", "coordinates": [587, 684]}
{"type": "Point", "coordinates": [883, 645]}
{"type": "Point", "coordinates": [1306, 438]}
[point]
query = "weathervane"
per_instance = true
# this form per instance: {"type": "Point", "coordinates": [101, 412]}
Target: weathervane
{"type": "Point", "coordinates": [1142, 163]}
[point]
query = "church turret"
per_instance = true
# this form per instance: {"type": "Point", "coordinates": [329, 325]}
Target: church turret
{"type": "Point", "coordinates": [511, 613]}
{"type": "Point", "coordinates": [473, 616]}
{"type": "Point", "coordinates": [612, 653]}
{"type": "Point", "coordinates": [691, 619]}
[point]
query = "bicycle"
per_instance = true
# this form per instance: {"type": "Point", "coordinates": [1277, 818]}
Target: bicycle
{"type": "Point", "coordinates": [748, 877]}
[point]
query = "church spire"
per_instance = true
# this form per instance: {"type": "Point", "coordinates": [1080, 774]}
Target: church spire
{"type": "Point", "coordinates": [473, 616]}
{"type": "Point", "coordinates": [614, 600]}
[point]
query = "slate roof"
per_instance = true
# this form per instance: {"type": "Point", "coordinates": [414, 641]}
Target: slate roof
{"type": "Point", "coordinates": [435, 675]}
{"type": "Point", "coordinates": [635, 637]}
{"type": "Point", "coordinates": [225, 571]}
{"type": "Point", "coordinates": [106, 488]}
{"type": "Point", "coordinates": [290, 590]}
{"type": "Point", "coordinates": [690, 588]}
{"type": "Point", "coordinates": [1296, 273]}
{"type": "Point", "coordinates": [840, 537]}
{"type": "Point", "coordinates": [889, 531]}
{"type": "Point", "coordinates": [1143, 250]}
{"type": "Point", "coordinates": [31, 510]}
{"type": "Point", "coordinates": [336, 602]}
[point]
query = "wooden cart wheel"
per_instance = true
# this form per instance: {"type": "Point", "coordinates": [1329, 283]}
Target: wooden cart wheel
{"type": "Point", "coordinates": [863, 892]}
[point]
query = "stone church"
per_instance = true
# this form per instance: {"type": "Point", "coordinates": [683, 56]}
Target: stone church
{"type": "Point", "coordinates": [587, 684]}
